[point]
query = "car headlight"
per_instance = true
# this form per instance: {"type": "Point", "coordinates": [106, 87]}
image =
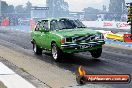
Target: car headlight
{"type": "Point", "coordinates": [66, 40]}
{"type": "Point", "coordinates": [99, 36]}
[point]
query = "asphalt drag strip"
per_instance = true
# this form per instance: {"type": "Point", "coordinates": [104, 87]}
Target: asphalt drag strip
{"type": "Point", "coordinates": [16, 48]}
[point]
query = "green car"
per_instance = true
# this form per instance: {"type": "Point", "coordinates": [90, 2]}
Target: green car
{"type": "Point", "coordinates": [65, 36]}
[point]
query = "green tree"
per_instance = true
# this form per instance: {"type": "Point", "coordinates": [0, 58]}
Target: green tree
{"type": "Point", "coordinates": [19, 9]}
{"type": "Point", "coordinates": [104, 8]}
{"type": "Point", "coordinates": [11, 9]}
{"type": "Point", "coordinates": [118, 7]}
{"type": "Point", "coordinates": [57, 8]}
{"type": "Point", "coordinates": [28, 7]}
{"type": "Point", "coordinates": [5, 8]}
{"type": "Point", "coordinates": [91, 13]}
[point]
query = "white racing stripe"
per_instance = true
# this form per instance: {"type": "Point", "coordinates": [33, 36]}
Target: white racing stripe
{"type": "Point", "coordinates": [11, 79]}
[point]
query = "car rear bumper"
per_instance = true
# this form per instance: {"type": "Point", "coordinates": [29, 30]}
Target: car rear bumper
{"type": "Point", "coordinates": [82, 47]}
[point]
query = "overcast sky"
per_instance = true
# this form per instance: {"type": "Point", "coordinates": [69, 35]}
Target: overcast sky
{"type": "Point", "coordinates": [75, 5]}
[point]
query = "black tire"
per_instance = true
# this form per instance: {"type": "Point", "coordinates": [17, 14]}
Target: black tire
{"type": "Point", "coordinates": [36, 49]}
{"type": "Point", "coordinates": [56, 52]}
{"type": "Point", "coordinates": [96, 53]}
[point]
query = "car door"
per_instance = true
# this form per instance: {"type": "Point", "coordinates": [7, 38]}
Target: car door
{"type": "Point", "coordinates": [45, 34]}
{"type": "Point", "coordinates": [37, 35]}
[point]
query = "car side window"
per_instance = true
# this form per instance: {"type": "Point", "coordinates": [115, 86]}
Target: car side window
{"type": "Point", "coordinates": [37, 27]}
{"type": "Point", "coordinates": [54, 25]}
{"type": "Point", "coordinates": [45, 25]}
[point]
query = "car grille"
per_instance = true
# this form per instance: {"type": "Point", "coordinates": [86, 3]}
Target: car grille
{"type": "Point", "coordinates": [84, 38]}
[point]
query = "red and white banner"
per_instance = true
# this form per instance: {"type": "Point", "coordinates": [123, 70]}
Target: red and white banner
{"type": "Point", "coordinates": [107, 24]}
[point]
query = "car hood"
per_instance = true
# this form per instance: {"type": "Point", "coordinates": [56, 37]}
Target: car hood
{"type": "Point", "coordinates": [75, 32]}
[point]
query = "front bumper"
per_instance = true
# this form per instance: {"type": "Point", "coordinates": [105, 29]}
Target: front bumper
{"type": "Point", "coordinates": [81, 47]}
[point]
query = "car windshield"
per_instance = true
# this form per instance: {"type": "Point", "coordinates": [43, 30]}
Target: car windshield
{"type": "Point", "coordinates": [78, 24]}
{"type": "Point", "coordinates": [66, 24]}
{"type": "Point", "coordinates": [61, 24]}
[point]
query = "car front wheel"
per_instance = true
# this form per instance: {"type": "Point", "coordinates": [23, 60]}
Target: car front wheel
{"type": "Point", "coordinates": [96, 53]}
{"type": "Point", "coordinates": [56, 52]}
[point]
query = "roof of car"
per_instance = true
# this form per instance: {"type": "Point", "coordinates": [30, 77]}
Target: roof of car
{"type": "Point", "coordinates": [50, 19]}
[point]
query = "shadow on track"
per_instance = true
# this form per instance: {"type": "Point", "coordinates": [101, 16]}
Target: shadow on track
{"type": "Point", "coordinates": [72, 61]}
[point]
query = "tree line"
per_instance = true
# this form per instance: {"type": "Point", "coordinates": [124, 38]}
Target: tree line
{"type": "Point", "coordinates": [6, 8]}
{"type": "Point", "coordinates": [58, 8]}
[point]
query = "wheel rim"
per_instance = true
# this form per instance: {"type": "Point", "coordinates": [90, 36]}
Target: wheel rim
{"type": "Point", "coordinates": [34, 48]}
{"type": "Point", "coordinates": [54, 52]}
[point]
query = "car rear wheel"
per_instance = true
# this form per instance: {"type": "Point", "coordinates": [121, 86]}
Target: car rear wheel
{"type": "Point", "coordinates": [96, 53]}
{"type": "Point", "coordinates": [56, 53]}
{"type": "Point", "coordinates": [36, 49]}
